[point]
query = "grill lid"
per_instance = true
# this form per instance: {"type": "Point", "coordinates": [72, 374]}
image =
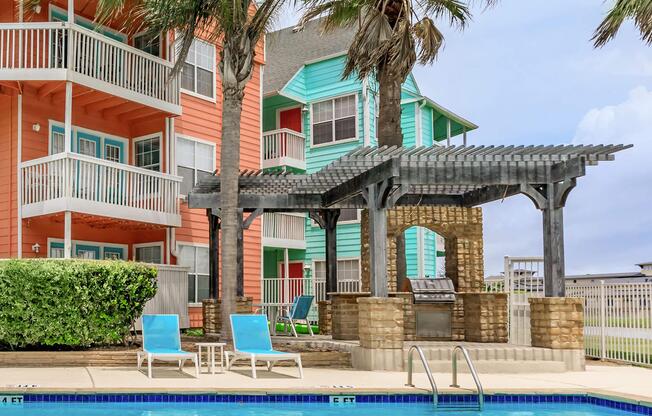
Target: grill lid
{"type": "Point", "coordinates": [431, 290]}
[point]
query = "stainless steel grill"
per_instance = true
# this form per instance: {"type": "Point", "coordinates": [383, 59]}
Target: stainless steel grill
{"type": "Point", "coordinates": [431, 290]}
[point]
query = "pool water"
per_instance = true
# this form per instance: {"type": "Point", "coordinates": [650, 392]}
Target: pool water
{"type": "Point", "coordinates": [302, 409]}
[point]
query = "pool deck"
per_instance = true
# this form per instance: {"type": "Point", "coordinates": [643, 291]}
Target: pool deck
{"type": "Point", "coordinates": [628, 382]}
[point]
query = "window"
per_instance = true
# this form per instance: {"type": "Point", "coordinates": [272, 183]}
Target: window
{"type": "Point", "coordinates": [56, 252]}
{"type": "Point", "coordinates": [149, 253]}
{"type": "Point", "coordinates": [198, 72]}
{"type": "Point", "coordinates": [148, 153]}
{"type": "Point", "coordinates": [195, 160]}
{"type": "Point", "coordinates": [348, 215]}
{"type": "Point", "coordinates": [58, 144]}
{"type": "Point", "coordinates": [87, 147]}
{"type": "Point", "coordinates": [113, 253]}
{"type": "Point", "coordinates": [112, 153]}
{"type": "Point", "coordinates": [333, 120]}
{"type": "Point", "coordinates": [149, 43]}
{"type": "Point", "coordinates": [196, 259]}
{"type": "Point", "coordinates": [347, 270]}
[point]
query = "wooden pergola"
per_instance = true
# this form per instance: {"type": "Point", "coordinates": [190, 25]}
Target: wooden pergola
{"type": "Point", "coordinates": [378, 178]}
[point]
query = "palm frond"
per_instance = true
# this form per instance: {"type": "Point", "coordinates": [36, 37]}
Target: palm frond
{"type": "Point", "coordinates": [429, 40]}
{"type": "Point", "coordinates": [640, 11]}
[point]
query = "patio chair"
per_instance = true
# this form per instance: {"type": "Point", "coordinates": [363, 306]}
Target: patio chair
{"type": "Point", "coordinates": [162, 341]}
{"type": "Point", "coordinates": [251, 340]}
{"type": "Point", "coordinates": [298, 312]}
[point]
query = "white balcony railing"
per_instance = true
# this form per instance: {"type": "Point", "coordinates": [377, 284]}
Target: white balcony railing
{"type": "Point", "coordinates": [284, 230]}
{"type": "Point", "coordinates": [284, 147]}
{"type": "Point", "coordinates": [40, 51]}
{"type": "Point", "coordinates": [79, 183]}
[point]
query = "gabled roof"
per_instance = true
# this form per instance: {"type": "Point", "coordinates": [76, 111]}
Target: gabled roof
{"type": "Point", "coordinates": [288, 50]}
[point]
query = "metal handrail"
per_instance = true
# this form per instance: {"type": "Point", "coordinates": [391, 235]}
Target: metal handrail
{"type": "Point", "coordinates": [435, 392]}
{"type": "Point", "coordinates": [474, 373]}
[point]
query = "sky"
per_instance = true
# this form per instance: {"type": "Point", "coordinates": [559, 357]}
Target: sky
{"type": "Point", "coordinates": [527, 73]}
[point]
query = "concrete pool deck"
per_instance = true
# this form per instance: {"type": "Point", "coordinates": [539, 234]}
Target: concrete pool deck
{"type": "Point", "coordinates": [634, 383]}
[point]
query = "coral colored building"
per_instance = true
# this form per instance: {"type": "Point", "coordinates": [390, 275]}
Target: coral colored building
{"type": "Point", "coordinates": [97, 150]}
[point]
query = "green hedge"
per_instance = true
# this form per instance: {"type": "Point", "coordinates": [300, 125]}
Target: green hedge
{"type": "Point", "coordinates": [71, 303]}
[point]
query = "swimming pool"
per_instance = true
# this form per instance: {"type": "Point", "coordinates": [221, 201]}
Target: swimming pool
{"type": "Point", "coordinates": [307, 405]}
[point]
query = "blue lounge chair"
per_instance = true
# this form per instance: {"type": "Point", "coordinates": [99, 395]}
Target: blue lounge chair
{"type": "Point", "coordinates": [251, 340]}
{"type": "Point", "coordinates": [298, 312]}
{"type": "Point", "coordinates": [162, 341]}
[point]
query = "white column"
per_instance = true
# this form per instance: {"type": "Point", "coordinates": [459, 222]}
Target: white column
{"type": "Point", "coordinates": [67, 235]}
{"type": "Point", "coordinates": [448, 132]}
{"type": "Point", "coordinates": [286, 281]}
{"type": "Point", "coordinates": [19, 160]}
{"type": "Point", "coordinates": [464, 134]}
{"type": "Point", "coordinates": [68, 118]}
{"type": "Point", "coordinates": [71, 11]}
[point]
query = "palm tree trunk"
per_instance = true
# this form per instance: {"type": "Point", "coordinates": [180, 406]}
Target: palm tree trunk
{"type": "Point", "coordinates": [389, 109]}
{"type": "Point", "coordinates": [390, 134]}
{"type": "Point", "coordinates": [229, 172]}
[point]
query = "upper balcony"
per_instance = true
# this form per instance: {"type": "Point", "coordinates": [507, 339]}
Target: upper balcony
{"type": "Point", "coordinates": [60, 51]}
{"type": "Point", "coordinates": [284, 147]}
{"type": "Point", "coordinates": [284, 230]}
{"type": "Point", "coordinates": [89, 185]}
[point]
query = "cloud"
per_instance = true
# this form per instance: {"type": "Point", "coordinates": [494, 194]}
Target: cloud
{"type": "Point", "coordinates": [608, 225]}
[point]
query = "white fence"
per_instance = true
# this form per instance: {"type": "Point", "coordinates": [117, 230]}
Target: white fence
{"type": "Point", "coordinates": [617, 320]}
{"type": "Point", "coordinates": [96, 186]}
{"type": "Point", "coordinates": [617, 316]}
{"type": "Point", "coordinates": [30, 48]}
{"type": "Point", "coordinates": [284, 147]}
{"type": "Point", "coordinates": [279, 291]}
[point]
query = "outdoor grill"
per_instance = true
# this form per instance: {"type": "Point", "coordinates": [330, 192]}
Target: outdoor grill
{"type": "Point", "coordinates": [433, 307]}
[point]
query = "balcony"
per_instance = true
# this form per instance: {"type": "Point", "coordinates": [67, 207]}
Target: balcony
{"type": "Point", "coordinates": [84, 184]}
{"type": "Point", "coordinates": [284, 147]}
{"type": "Point", "coordinates": [284, 230]}
{"type": "Point", "coordinates": [57, 51]}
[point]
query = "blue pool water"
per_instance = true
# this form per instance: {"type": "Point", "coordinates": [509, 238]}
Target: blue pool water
{"type": "Point", "coordinates": [179, 405]}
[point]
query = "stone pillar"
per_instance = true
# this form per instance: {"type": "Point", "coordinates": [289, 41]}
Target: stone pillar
{"type": "Point", "coordinates": [409, 315]}
{"type": "Point", "coordinates": [557, 323]}
{"type": "Point", "coordinates": [485, 317]}
{"type": "Point", "coordinates": [213, 317]}
{"type": "Point", "coordinates": [344, 315]}
{"type": "Point", "coordinates": [380, 322]}
{"type": "Point", "coordinates": [457, 324]}
{"type": "Point", "coordinates": [325, 317]}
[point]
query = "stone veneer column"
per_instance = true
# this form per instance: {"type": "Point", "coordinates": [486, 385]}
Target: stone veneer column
{"type": "Point", "coordinates": [324, 317]}
{"type": "Point", "coordinates": [344, 315]}
{"type": "Point", "coordinates": [212, 314]}
{"type": "Point", "coordinates": [485, 317]}
{"type": "Point", "coordinates": [380, 322]}
{"type": "Point", "coordinates": [557, 323]}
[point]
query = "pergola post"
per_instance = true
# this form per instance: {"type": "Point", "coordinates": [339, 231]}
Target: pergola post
{"type": "Point", "coordinates": [550, 199]}
{"type": "Point", "coordinates": [240, 256]}
{"type": "Point", "coordinates": [330, 222]}
{"type": "Point", "coordinates": [327, 220]}
{"type": "Point", "coordinates": [376, 197]}
{"type": "Point", "coordinates": [213, 254]}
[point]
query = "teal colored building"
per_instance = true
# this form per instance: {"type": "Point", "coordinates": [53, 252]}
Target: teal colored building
{"type": "Point", "coordinates": [311, 116]}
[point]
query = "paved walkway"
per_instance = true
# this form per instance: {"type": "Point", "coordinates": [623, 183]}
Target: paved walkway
{"type": "Point", "coordinates": [624, 381]}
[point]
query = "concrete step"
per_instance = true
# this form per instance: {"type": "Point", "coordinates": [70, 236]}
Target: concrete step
{"type": "Point", "coordinates": [510, 353]}
{"type": "Point", "coordinates": [493, 366]}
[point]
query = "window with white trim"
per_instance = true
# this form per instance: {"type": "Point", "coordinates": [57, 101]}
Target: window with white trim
{"type": "Point", "coordinates": [334, 120]}
{"type": "Point", "coordinates": [57, 253]}
{"type": "Point", "coordinates": [347, 270]}
{"type": "Point", "coordinates": [195, 160]}
{"type": "Point", "coordinates": [148, 153]}
{"type": "Point", "coordinates": [58, 142]}
{"type": "Point", "coordinates": [198, 72]}
{"type": "Point", "coordinates": [196, 259]}
{"type": "Point", "coordinates": [149, 254]}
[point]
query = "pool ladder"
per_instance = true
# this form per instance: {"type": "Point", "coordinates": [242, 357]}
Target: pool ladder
{"type": "Point", "coordinates": [435, 392]}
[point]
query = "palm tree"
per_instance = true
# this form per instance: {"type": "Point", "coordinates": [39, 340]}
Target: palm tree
{"type": "Point", "coordinates": [638, 10]}
{"type": "Point", "coordinates": [238, 30]}
{"type": "Point", "coordinates": [391, 36]}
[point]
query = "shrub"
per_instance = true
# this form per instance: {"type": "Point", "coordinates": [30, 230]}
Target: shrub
{"type": "Point", "coordinates": [71, 303]}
